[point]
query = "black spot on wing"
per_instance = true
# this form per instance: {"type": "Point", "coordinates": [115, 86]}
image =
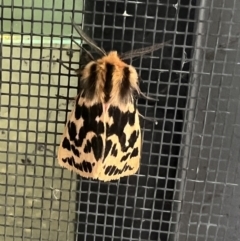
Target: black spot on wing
{"type": "Point", "coordinates": [108, 82]}
{"type": "Point", "coordinates": [125, 86]}
{"type": "Point", "coordinates": [133, 138]}
{"type": "Point", "coordinates": [70, 161]}
{"type": "Point", "coordinates": [88, 147]}
{"type": "Point", "coordinates": [126, 168]}
{"type": "Point", "coordinates": [78, 142]}
{"type": "Point", "coordinates": [114, 151]}
{"type": "Point", "coordinates": [131, 119]}
{"type": "Point", "coordinates": [78, 109]}
{"type": "Point", "coordinates": [134, 152]}
{"type": "Point", "coordinates": [84, 166]}
{"type": "Point", "coordinates": [122, 140]}
{"type": "Point", "coordinates": [107, 170]}
{"type": "Point", "coordinates": [91, 82]}
{"type": "Point", "coordinates": [97, 146]}
{"type": "Point", "coordinates": [116, 171]}
{"type": "Point", "coordinates": [72, 130]}
{"type": "Point", "coordinates": [66, 144]}
{"type": "Point", "coordinates": [120, 120]}
{"type": "Point", "coordinates": [90, 124]}
{"type": "Point", "coordinates": [110, 170]}
{"type": "Point", "coordinates": [75, 151]}
{"type": "Point", "coordinates": [108, 147]}
{"type": "Point", "coordinates": [87, 167]}
{"type": "Point", "coordinates": [78, 166]}
{"type": "Point", "coordinates": [124, 158]}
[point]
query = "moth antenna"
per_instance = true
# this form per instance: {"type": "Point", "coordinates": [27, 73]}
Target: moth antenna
{"type": "Point", "coordinates": [87, 39]}
{"type": "Point", "coordinates": [143, 51]}
{"type": "Point", "coordinates": [149, 119]}
{"type": "Point", "coordinates": [81, 47]}
{"type": "Point", "coordinates": [65, 66]}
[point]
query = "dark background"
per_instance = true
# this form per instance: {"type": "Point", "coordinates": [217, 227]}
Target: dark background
{"type": "Point", "coordinates": [140, 207]}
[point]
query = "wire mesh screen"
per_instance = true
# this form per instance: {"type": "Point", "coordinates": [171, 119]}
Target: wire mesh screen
{"type": "Point", "coordinates": [187, 185]}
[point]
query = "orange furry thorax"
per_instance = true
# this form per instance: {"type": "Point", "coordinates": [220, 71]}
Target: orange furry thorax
{"type": "Point", "coordinates": [112, 58]}
{"type": "Point", "coordinates": [109, 80]}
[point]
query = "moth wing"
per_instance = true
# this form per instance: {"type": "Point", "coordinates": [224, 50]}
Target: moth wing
{"type": "Point", "coordinates": [123, 142]}
{"type": "Point", "coordinates": [82, 143]}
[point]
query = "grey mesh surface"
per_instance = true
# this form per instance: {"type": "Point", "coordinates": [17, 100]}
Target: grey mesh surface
{"type": "Point", "coordinates": [187, 187]}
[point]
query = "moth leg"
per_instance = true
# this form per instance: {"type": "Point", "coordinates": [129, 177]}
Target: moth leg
{"type": "Point", "coordinates": [66, 98]}
{"type": "Point", "coordinates": [143, 95]}
{"type": "Point", "coordinates": [146, 97]}
{"type": "Point", "coordinates": [149, 119]}
{"type": "Point", "coordinates": [69, 99]}
{"type": "Point", "coordinates": [65, 66]}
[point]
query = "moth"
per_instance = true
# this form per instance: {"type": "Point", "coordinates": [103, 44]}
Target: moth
{"type": "Point", "coordinates": [102, 137]}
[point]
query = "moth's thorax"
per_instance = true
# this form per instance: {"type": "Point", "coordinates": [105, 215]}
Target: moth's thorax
{"type": "Point", "coordinates": [109, 80]}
